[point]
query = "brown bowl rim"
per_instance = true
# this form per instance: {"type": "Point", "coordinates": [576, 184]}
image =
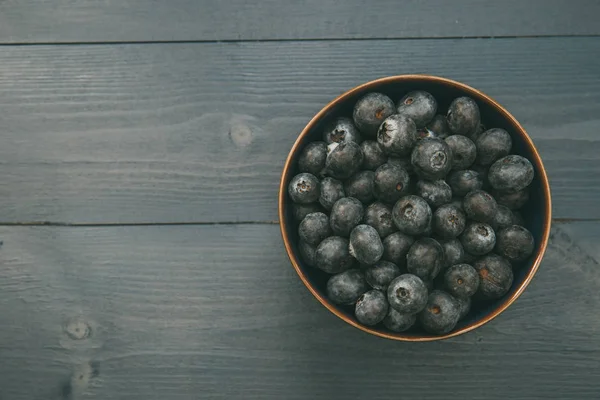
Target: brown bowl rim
{"type": "Point", "coordinates": [475, 93]}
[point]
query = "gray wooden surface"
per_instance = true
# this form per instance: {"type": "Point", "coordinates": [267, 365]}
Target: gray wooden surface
{"type": "Point", "coordinates": [141, 257]}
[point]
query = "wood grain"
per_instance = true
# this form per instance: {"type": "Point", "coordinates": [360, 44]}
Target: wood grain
{"type": "Point", "coordinates": [147, 20]}
{"type": "Point", "coordinates": [199, 132]}
{"type": "Point", "coordinates": [185, 312]}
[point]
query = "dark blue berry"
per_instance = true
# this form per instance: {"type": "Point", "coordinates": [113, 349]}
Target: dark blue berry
{"type": "Point", "coordinates": [492, 145]}
{"type": "Point", "coordinates": [512, 200]}
{"type": "Point", "coordinates": [461, 280]}
{"type": "Point", "coordinates": [478, 238]}
{"type": "Point", "coordinates": [448, 221]}
{"type": "Point", "coordinates": [395, 248]}
{"type": "Point", "coordinates": [441, 313]}
{"type": "Point", "coordinates": [463, 151]}
{"type": "Point", "coordinates": [302, 210]}
{"type": "Point", "coordinates": [365, 244]}
{"type": "Point", "coordinates": [360, 186]}
{"type": "Point", "coordinates": [346, 213]}
{"type": "Point", "coordinates": [379, 216]}
{"type": "Point", "coordinates": [407, 294]}
{"type": "Point", "coordinates": [314, 228]}
{"type": "Point", "coordinates": [346, 287]}
{"type": "Point", "coordinates": [515, 243]}
{"type": "Point", "coordinates": [391, 183]}
{"type": "Point", "coordinates": [381, 274]}
{"type": "Point", "coordinates": [453, 252]}
{"type": "Point", "coordinates": [511, 173]}
{"type": "Point", "coordinates": [341, 130]}
{"type": "Point", "coordinates": [465, 181]}
{"type": "Point", "coordinates": [480, 206]}
{"type": "Point", "coordinates": [331, 191]}
{"type": "Point", "coordinates": [439, 126]}
{"type": "Point", "coordinates": [397, 135]}
{"type": "Point", "coordinates": [435, 193]}
{"type": "Point", "coordinates": [371, 308]}
{"type": "Point", "coordinates": [307, 253]}
{"type": "Point", "coordinates": [464, 306]}
{"type": "Point", "coordinates": [463, 116]}
{"type": "Point", "coordinates": [370, 111]}
{"type": "Point", "coordinates": [495, 276]}
{"type": "Point", "coordinates": [426, 133]}
{"type": "Point", "coordinates": [425, 258]}
{"type": "Point", "coordinates": [401, 162]}
{"type": "Point", "coordinates": [304, 188]}
{"type": "Point", "coordinates": [344, 160]}
{"type": "Point", "coordinates": [418, 105]}
{"type": "Point", "coordinates": [312, 159]}
{"type": "Point", "coordinates": [412, 215]}
{"type": "Point", "coordinates": [333, 255]}
{"type": "Point", "coordinates": [373, 153]}
{"type": "Point", "coordinates": [431, 159]}
{"type": "Point", "coordinates": [398, 322]}
{"type": "Point", "coordinates": [504, 217]}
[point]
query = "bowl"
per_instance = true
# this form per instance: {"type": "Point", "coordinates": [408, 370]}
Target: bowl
{"type": "Point", "coordinates": [536, 213]}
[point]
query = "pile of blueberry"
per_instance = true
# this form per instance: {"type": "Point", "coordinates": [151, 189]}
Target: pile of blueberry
{"type": "Point", "coordinates": [413, 213]}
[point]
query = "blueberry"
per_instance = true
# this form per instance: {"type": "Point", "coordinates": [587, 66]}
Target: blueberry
{"type": "Point", "coordinates": [333, 256]}
{"type": "Point", "coordinates": [453, 252]}
{"type": "Point", "coordinates": [431, 159]}
{"type": "Point", "coordinates": [346, 213]}
{"type": "Point", "coordinates": [493, 144]}
{"type": "Point", "coordinates": [399, 322]}
{"type": "Point", "coordinates": [426, 133]}
{"type": "Point", "coordinates": [420, 106]}
{"type": "Point", "coordinates": [365, 244]}
{"type": "Point", "coordinates": [344, 160]}
{"type": "Point", "coordinates": [463, 151]}
{"type": "Point", "coordinates": [397, 135]}
{"type": "Point", "coordinates": [391, 183]}
{"type": "Point", "coordinates": [482, 170]}
{"type": "Point", "coordinates": [435, 193]}
{"type": "Point", "coordinates": [457, 202]}
{"type": "Point", "coordinates": [381, 274]}
{"type": "Point", "coordinates": [371, 308]}
{"type": "Point", "coordinates": [464, 306]}
{"type": "Point", "coordinates": [461, 280]}
{"type": "Point", "coordinates": [360, 186]}
{"type": "Point", "coordinates": [469, 258]}
{"type": "Point", "coordinates": [370, 111]}
{"type": "Point", "coordinates": [307, 253]}
{"type": "Point", "coordinates": [412, 215]}
{"type": "Point", "coordinates": [465, 181]}
{"type": "Point", "coordinates": [480, 206]}
{"type": "Point", "coordinates": [407, 294]}
{"type": "Point", "coordinates": [449, 221]}
{"type": "Point", "coordinates": [304, 188]}
{"type": "Point", "coordinates": [379, 216]}
{"type": "Point", "coordinates": [346, 287]}
{"type": "Point", "coordinates": [440, 314]}
{"type": "Point", "coordinates": [425, 258]}
{"type": "Point", "coordinates": [331, 191]}
{"type": "Point", "coordinates": [511, 173]}
{"type": "Point", "coordinates": [495, 276]}
{"type": "Point", "coordinates": [512, 200]}
{"type": "Point", "coordinates": [314, 228]}
{"type": "Point", "coordinates": [401, 162]}
{"type": "Point", "coordinates": [395, 248]}
{"type": "Point", "coordinates": [463, 116]}
{"type": "Point", "coordinates": [515, 243]}
{"type": "Point", "coordinates": [312, 159]}
{"type": "Point", "coordinates": [439, 126]}
{"type": "Point", "coordinates": [504, 217]}
{"type": "Point", "coordinates": [300, 211]}
{"type": "Point", "coordinates": [478, 238]}
{"type": "Point", "coordinates": [341, 130]}
{"type": "Point", "coordinates": [373, 153]}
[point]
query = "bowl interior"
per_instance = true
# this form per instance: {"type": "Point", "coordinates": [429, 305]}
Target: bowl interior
{"type": "Point", "coordinates": [536, 213]}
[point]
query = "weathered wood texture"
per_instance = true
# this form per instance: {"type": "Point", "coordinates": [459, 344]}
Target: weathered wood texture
{"type": "Point", "coordinates": [199, 132]}
{"type": "Point", "coordinates": [184, 312]}
{"type": "Point", "coordinates": [147, 20]}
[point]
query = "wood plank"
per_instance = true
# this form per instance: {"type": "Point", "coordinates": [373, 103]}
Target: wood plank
{"type": "Point", "coordinates": [199, 132]}
{"type": "Point", "coordinates": [33, 21]}
{"type": "Point", "coordinates": [185, 312]}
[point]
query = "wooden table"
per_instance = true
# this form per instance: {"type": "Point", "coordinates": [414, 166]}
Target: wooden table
{"type": "Point", "coordinates": [141, 144]}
